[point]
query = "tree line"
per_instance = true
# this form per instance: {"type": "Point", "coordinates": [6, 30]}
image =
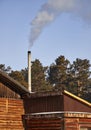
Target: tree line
{"type": "Point", "coordinates": [74, 77]}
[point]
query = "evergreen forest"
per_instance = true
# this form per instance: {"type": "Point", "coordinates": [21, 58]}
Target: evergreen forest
{"type": "Point", "coordinates": [74, 77]}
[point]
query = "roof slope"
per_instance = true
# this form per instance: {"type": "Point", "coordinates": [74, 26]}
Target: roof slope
{"type": "Point", "coordinates": [77, 98]}
{"type": "Point", "coordinates": [12, 84]}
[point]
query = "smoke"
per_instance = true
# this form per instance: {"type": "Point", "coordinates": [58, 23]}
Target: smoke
{"type": "Point", "coordinates": [53, 8]}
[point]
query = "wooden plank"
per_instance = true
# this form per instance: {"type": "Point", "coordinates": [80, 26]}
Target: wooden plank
{"type": "Point", "coordinates": [43, 124]}
{"type": "Point", "coordinates": [11, 111]}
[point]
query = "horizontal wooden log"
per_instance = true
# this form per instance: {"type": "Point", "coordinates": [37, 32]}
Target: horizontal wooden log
{"type": "Point", "coordinates": [11, 111]}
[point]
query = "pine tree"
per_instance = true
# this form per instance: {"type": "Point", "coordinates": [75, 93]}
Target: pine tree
{"type": "Point", "coordinates": [57, 74]}
{"type": "Point", "coordinates": [39, 82]}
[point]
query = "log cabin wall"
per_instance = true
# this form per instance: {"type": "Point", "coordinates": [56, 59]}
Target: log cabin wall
{"type": "Point", "coordinates": [56, 111]}
{"type": "Point", "coordinates": [11, 104]}
{"type": "Point", "coordinates": [11, 111]}
{"type": "Point", "coordinates": [58, 121]}
{"type": "Point", "coordinates": [43, 124]}
{"type": "Point", "coordinates": [77, 121]}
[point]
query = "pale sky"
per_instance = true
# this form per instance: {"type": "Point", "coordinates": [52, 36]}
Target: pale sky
{"type": "Point", "coordinates": [69, 34]}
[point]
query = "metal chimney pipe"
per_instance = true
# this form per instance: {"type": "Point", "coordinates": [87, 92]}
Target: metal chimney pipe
{"type": "Point", "coordinates": [29, 71]}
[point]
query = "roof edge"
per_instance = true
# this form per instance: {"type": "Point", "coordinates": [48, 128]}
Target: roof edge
{"type": "Point", "coordinates": [20, 89]}
{"type": "Point", "coordinates": [77, 98]}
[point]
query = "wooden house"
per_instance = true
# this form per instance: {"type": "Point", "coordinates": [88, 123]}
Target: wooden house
{"type": "Point", "coordinates": [21, 110]}
{"type": "Point", "coordinates": [56, 111]}
{"type": "Point", "coordinates": [11, 103]}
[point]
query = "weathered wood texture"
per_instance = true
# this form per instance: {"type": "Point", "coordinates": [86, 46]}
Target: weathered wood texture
{"type": "Point", "coordinates": [85, 121]}
{"type": "Point", "coordinates": [61, 121]}
{"type": "Point", "coordinates": [12, 84]}
{"type": "Point", "coordinates": [71, 123]}
{"type": "Point", "coordinates": [7, 92]}
{"type": "Point", "coordinates": [43, 104]}
{"type": "Point", "coordinates": [71, 104]}
{"type": "Point", "coordinates": [77, 123]}
{"type": "Point", "coordinates": [11, 111]}
{"type": "Point", "coordinates": [51, 103]}
{"type": "Point", "coordinates": [43, 124]}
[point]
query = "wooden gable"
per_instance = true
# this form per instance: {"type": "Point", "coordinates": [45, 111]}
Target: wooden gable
{"type": "Point", "coordinates": [7, 92]}
{"type": "Point", "coordinates": [10, 88]}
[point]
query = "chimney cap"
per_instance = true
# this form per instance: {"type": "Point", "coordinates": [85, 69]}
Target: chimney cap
{"type": "Point", "coordinates": [29, 51]}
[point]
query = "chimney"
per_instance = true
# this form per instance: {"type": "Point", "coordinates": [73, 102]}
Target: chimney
{"type": "Point", "coordinates": [29, 71]}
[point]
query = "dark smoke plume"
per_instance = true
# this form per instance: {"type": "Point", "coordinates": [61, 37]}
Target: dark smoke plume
{"type": "Point", "coordinates": [53, 8]}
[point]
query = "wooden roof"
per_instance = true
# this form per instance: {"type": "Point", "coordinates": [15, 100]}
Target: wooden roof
{"type": "Point", "coordinates": [12, 84]}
